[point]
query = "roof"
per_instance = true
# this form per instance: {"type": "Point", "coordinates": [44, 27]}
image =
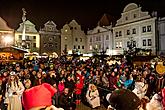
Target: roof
{"type": "Point", "coordinates": [106, 20]}
{"type": "Point", "coordinates": [12, 49]}
{"type": "Point", "coordinates": [3, 25]}
{"type": "Point", "coordinates": [130, 6]}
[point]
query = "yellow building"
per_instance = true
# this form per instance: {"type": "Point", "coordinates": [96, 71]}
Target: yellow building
{"type": "Point", "coordinates": [32, 38]}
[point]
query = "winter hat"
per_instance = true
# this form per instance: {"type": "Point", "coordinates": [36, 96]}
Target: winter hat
{"type": "Point", "coordinates": [37, 96]}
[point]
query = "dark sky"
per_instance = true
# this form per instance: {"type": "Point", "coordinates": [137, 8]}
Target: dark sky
{"type": "Point", "coordinates": [86, 12]}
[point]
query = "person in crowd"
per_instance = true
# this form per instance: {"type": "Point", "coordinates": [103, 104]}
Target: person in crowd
{"type": "Point", "coordinates": [92, 96]}
{"type": "Point", "coordinates": [14, 90]}
{"type": "Point", "coordinates": [66, 100]}
{"type": "Point", "coordinates": [70, 83]}
{"type": "Point", "coordinates": [112, 81]}
{"type": "Point", "coordinates": [61, 86]}
{"type": "Point", "coordinates": [39, 79]}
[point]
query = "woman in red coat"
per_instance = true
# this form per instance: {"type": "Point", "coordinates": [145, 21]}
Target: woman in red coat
{"type": "Point", "coordinates": [79, 86]}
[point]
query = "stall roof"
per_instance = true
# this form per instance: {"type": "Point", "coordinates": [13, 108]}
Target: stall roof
{"type": "Point", "coordinates": [13, 49]}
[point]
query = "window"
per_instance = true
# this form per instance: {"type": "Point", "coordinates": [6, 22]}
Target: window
{"type": "Point", "coordinates": [27, 37]}
{"type": "Point", "coordinates": [75, 28]}
{"type": "Point", "coordinates": [65, 47]}
{"type": "Point", "coordinates": [78, 47]}
{"type": "Point", "coordinates": [90, 39]}
{"type": "Point", "coordinates": [134, 15]}
{"type": "Point", "coordinates": [90, 47]}
{"type": "Point", "coordinates": [66, 30]}
{"type": "Point", "coordinates": [45, 44]}
{"type": "Point", "coordinates": [149, 42]}
{"type": "Point", "coordinates": [128, 43]}
{"type": "Point", "coordinates": [82, 47]}
{"type": "Point", "coordinates": [76, 39]}
{"type": "Point", "coordinates": [99, 38]}
{"type": "Point", "coordinates": [65, 38]}
{"type": "Point", "coordinates": [74, 47]}
{"type": "Point", "coordinates": [126, 18]}
{"type": "Point", "coordinates": [50, 45]}
{"type": "Point", "coordinates": [120, 34]}
{"type": "Point", "coordinates": [20, 37]}
{"type": "Point", "coordinates": [80, 39]}
{"type": "Point", "coordinates": [128, 32]}
{"type": "Point", "coordinates": [144, 29]}
{"type": "Point", "coordinates": [117, 44]}
{"type": "Point", "coordinates": [96, 46]}
{"type": "Point", "coordinates": [107, 37]}
{"type": "Point", "coordinates": [71, 28]}
{"type": "Point", "coordinates": [134, 43]}
{"type": "Point", "coordinates": [149, 28]}
{"type": "Point", "coordinates": [134, 31]}
{"type": "Point", "coordinates": [34, 37]}
{"type": "Point", "coordinates": [144, 42]}
{"type": "Point", "coordinates": [120, 45]}
{"type": "Point", "coordinates": [116, 34]}
{"type": "Point", "coordinates": [98, 30]}
{"type": "Point", "coordinates": [34, 45]}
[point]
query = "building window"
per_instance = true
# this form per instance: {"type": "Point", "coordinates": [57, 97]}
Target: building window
{"type": "Point", "coordinates": [134, 15]}
{"type": "Point", "coordinates": [134, 31]}
{"type": "Point", "coordinates": [128, 32]}
{"type": "Point", "coordinates": [34, 45]}
{"type": "Point", "coordinates": [65, 38]}
{"type": "Point", "coordinates": [120, 34]}
{"type": "Point", "coordinates": [45, 44]}
{"type": "Point", "coordinates": [76, 39]}
{"type": "Point", "coordinates": [71, 28]}
{"type": "Point", "coordinates": [80, 39]}
{"type": "Point", "coordinates": [149, 42]}
{"type": "Point", "coordinates": [99, 38]}
{"type": "Point", "coordinates": [34, 37]}
{"type": "Point", "coordinates": [149, 28]}
{"type": "Point", "coordinates": [96, 46]}
{"type": "Point", "coordinates": [128, 43]}
{"type": "Point", "coordinates": [27, 37]}
{"type": "Point", "coordinates": [120, 44]}
{"type": "Point", "coordinates": [117, 44]}
{"type": "Point", "coordinates": [107, 37]}
{"type": "Point", "coordinates": [98, 30]}
{"type": "Point", "coordinates": [134, 43]}
{"type": "Point", "coordinates": [82, 47]}
{"type": "Point", "coordinates": [78, 47]}
{"type": "Point", "coordinates": [126, 18]}
{"type": "Point", "coordinates": [20, 37]}
{"type": "Point", "coordinates": [65, 47]}
{"type": "Point", "coordinates": [144, 42]}
{"type": "Point", "coordinates": [90, 47]}
{"type": "Point", "coordinates": [50, 45]}
{"type": "Point", "coordinates": [66, 30]}
{"type": "Point", "coordinates": [116, 34]}
{"type": "Point", "coordinates": [90, 39]}
{"type": "Point", "coordinates": [144, 29]}
{"type": "Point", "coordinates": [75, 28]}
{"type": "Point", "coordinates": [74, 47]}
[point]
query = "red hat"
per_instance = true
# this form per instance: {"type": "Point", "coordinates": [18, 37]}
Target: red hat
{"type": "Point", "coordinates": [40, 95]}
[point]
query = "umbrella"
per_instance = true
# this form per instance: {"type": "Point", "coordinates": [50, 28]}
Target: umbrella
{"type": "Point", "coordinates": [124, 99]}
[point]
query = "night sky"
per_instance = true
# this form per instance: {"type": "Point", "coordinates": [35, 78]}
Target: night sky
{"type": "Point", "coordinates": [86, 12]}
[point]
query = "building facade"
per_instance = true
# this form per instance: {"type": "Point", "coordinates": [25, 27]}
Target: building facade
{"type": "Point", "coordinates": [32, 38]}
{"type": "Point", "coordinates": [73, 39]}
{"type": "Point", "coordinates": [6, 34]}
{"type": "Point", "coordinates": [99, 40]}
{"type": "Point", "coordinates": [50, 42]}
{"type": "Point", "coordinates": [161, 30]}
{"type": "Point", "coordinates": [134, 28]}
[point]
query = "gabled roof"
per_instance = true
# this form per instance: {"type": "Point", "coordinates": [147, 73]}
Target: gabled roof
{"type": "Point", "coordinates": [106, 20]}
{"type": "Point", "coordinates": [3, 25]}
{"type": "Point", "coordinates": [50, 23]}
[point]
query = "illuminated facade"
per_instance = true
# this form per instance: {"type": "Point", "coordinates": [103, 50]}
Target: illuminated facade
{"type": "Point", "coordinates": [50, 39]}
{"type": "Point", "coordinates": [73, 39]}
{"type": "Point", "coordinates": [6, 34]}
{"type": "Point", "coordinates": [32, 38]}
{"type": "Point", "coordinates": [136, 28]}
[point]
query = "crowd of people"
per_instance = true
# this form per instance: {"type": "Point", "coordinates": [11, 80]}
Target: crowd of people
{"type": "Point", "coordinates": [77, 81]}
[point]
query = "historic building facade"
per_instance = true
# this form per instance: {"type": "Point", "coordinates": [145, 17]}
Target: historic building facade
{"type": "Point", "coordinates": [100, 39]}
{"type": "Point", "coordinates": [50, 42]}
{"type": "Point", "coordinates": [32, 38]}
{"type": "Point", "coordinates": [73, 39]}
{"type": "Point", "coordinates": [135, 28]}
{"type": "Point", "coordinates": [6, 34]}
{"type": "Point", "coordinates": [161, 30]}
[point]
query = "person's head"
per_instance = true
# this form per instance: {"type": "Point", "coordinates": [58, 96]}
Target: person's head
{"type": "Point", "coordinates": [69, 78]}
{"type": "Point", "coordinates": [113, 73]}
{"type": "Point", "coordinates": [34, 72]}
{"type": "Point", "coordinates": [66, 91]}
{"type": "Point", "coordinates": [39, 75]}
{"type": "Point", "coordinates": [92, 87]}
{"type": "Point", "coordinates": [27, 83]}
